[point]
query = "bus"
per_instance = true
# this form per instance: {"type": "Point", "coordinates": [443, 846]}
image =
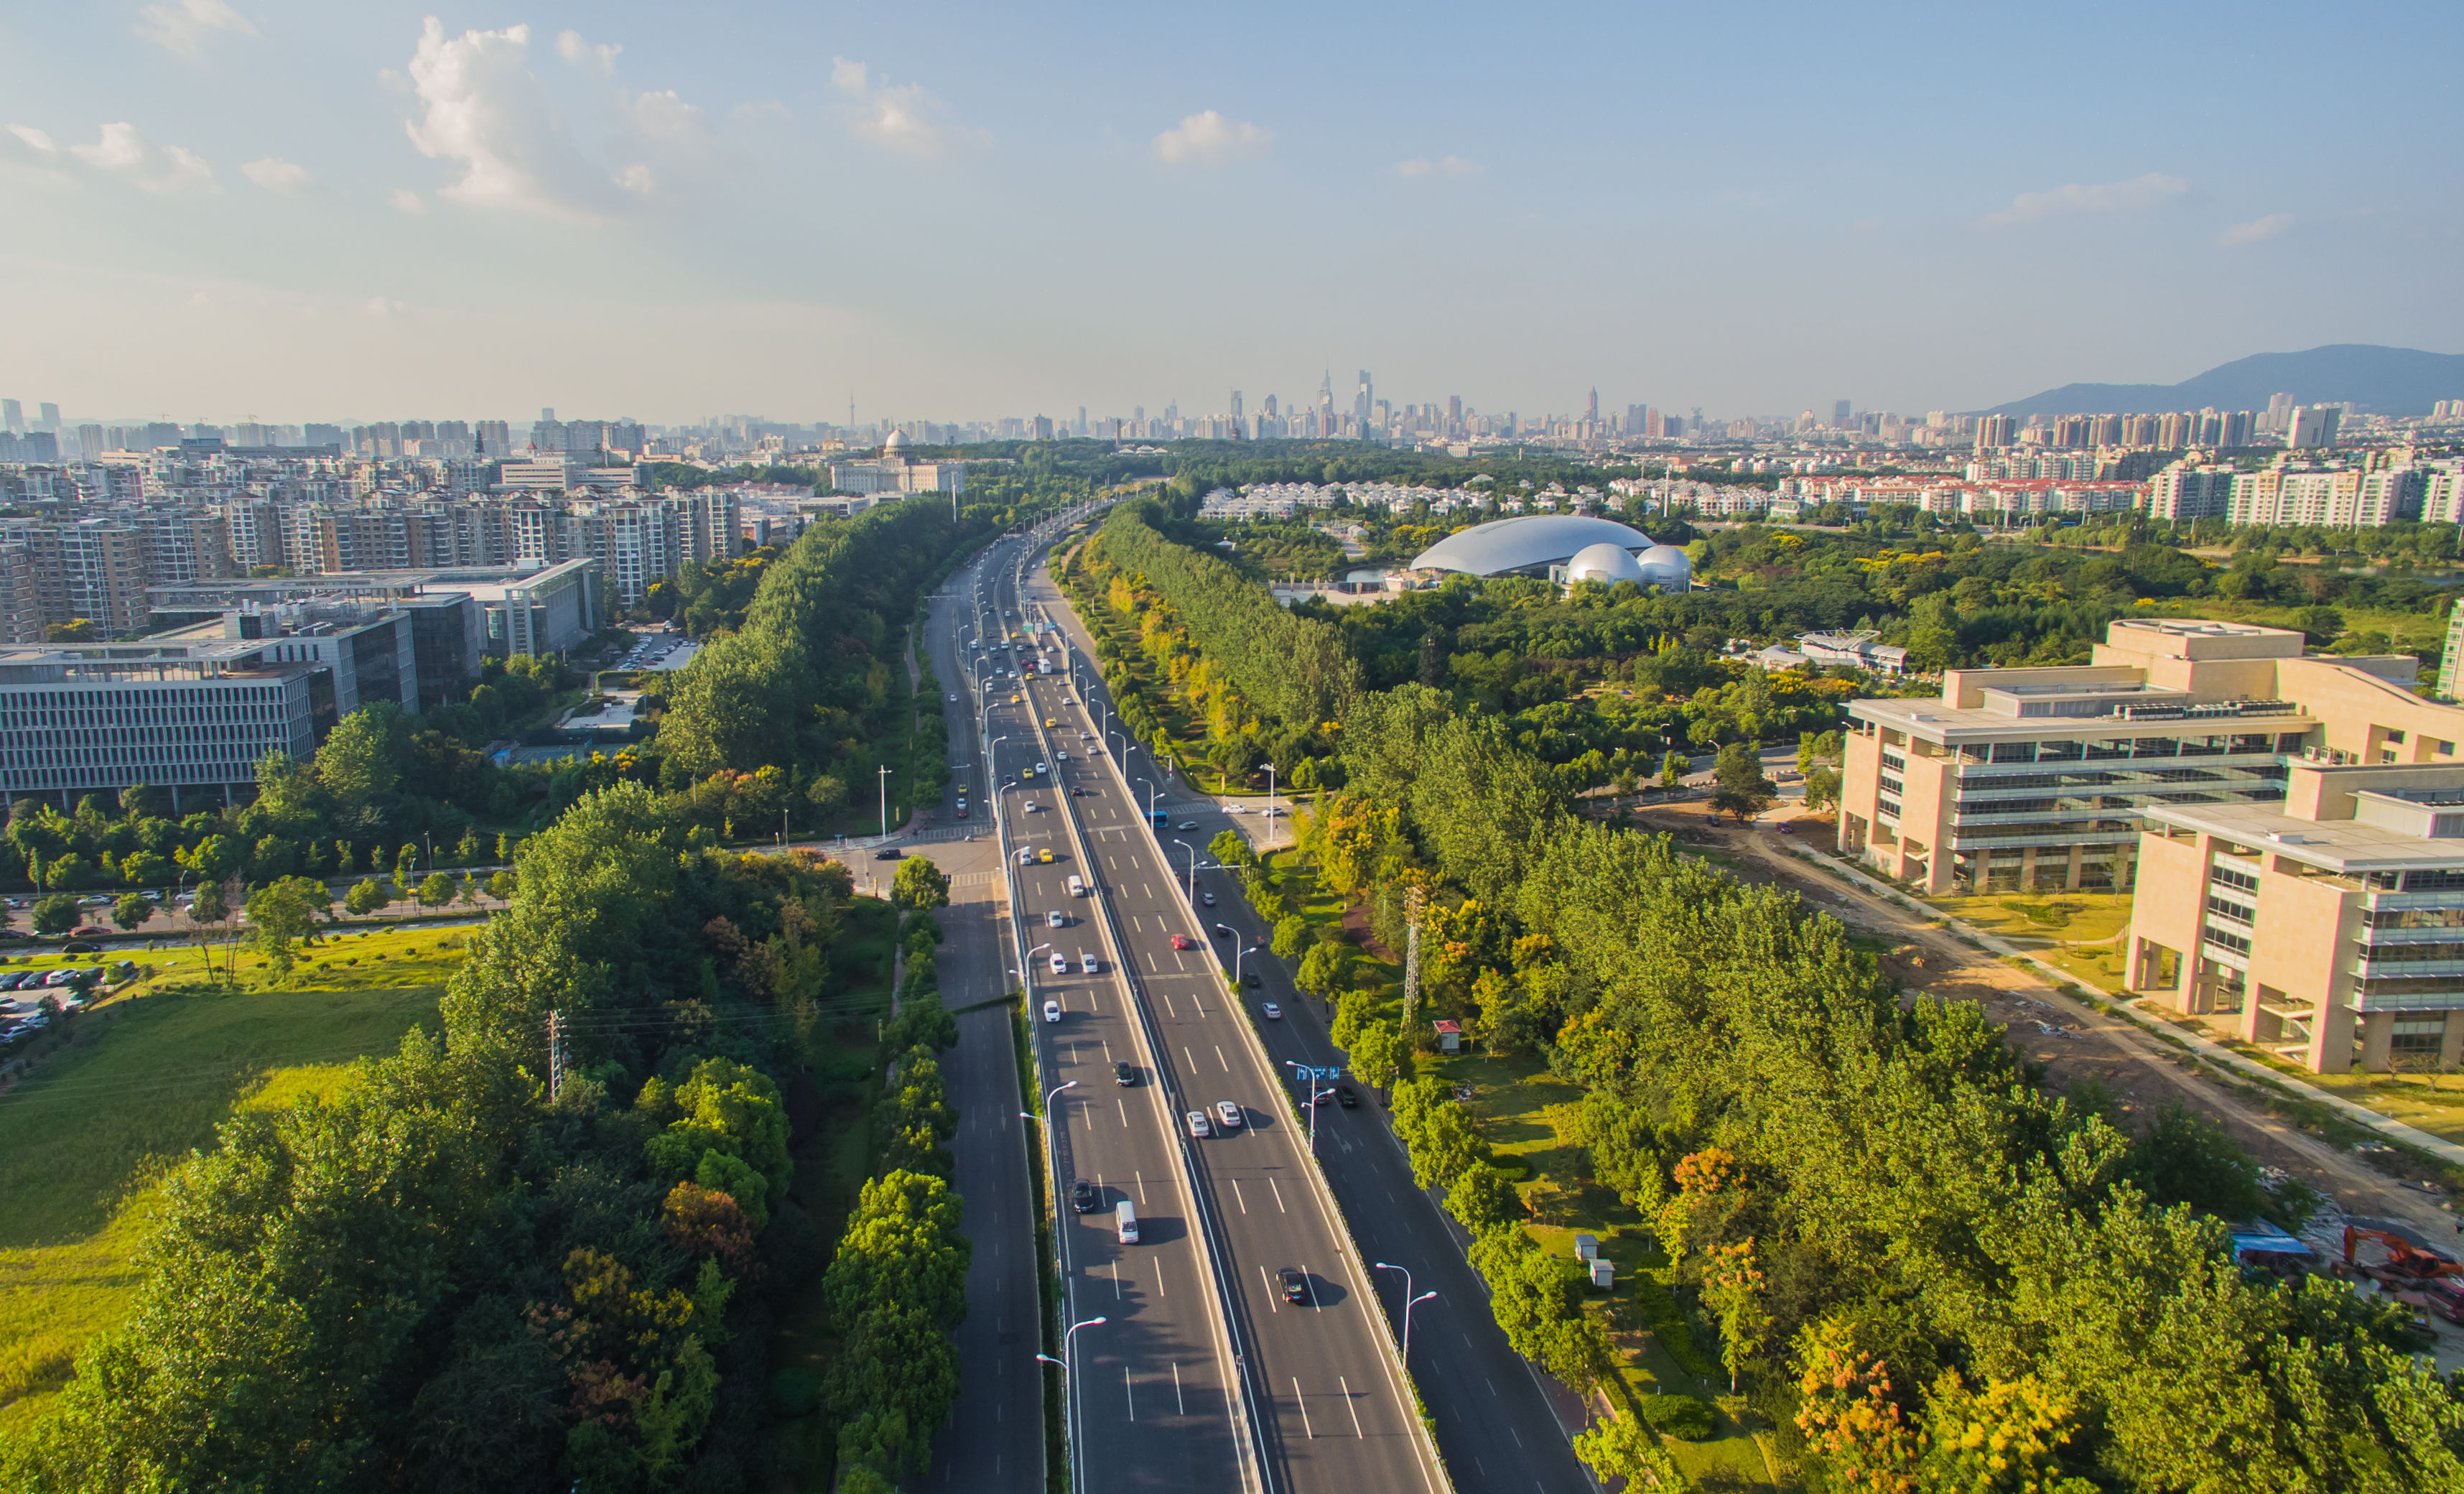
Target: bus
{"type": "Point", "coordinates": [1157, 818]}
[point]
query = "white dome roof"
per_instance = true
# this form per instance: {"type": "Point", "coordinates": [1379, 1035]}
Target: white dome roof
{"type": "Point", "coordinates": [897, 442]}
{"type": "Point", "coordinates": [1526, 543]}
{"type": "Point", "coordinates": [1666, 565]}
{"type": "Point", "coordinates": [1603, 562]}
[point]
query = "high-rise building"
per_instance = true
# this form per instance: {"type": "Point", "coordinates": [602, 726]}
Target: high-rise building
{"type": "Point", "coordinates": [1362, 399]}
{"type": "Point", "coordinates": [1839, 414]}
{"type": "Point", "coordinates": [12, 417]}
{"type": "Point", "coordinates": [2312, 426]}
{"type": "Point", "coordinates": [1236, 407]}
{"type": "Point", "coordinates": [1995, 432]}
{"type": "Point", "coordinates": [2278, 408]}
{"type": "Point", "coordinates": [47, 417]}
{"type": "Point", "coordinates": [1454, 412]}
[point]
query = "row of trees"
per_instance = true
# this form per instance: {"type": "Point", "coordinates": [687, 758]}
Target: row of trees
{"type": "Point", "coordinates": [1898, 1234]}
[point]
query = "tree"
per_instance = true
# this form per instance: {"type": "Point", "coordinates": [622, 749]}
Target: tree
{"type": "Point", "coordinates": [1291, 935]}
{"type": "Point", "coordinates": [500, 886]}
{"type": "Point", "coordinates": [919, 885]}
{"type": "Point", "coordinates": [1846, 1412]}
{"type": "Point", "coordinates": [1733, 1288]}
{"type": "Point", "coordinates": [56, 914]}
{"type": "Point", "coordinates": [405, 865]}
{"type": "Point", "coordinates": [131, 911]}
{"type": "Point", "coordinates": [1743, 791]}
{"type": "Point", "coordinates": [280, 914]}
{"type": "Point", "coordinates": [361, 759]}
{"type": "Point", "coordinates": [1374, 1052]}
{"type": "Point", "coordinates": [366, 895]}
{"type": "Point", "coordinates": [1822, 787]}
{"type": "Point", "coordinates": [1672, 769]}
{"type": "Point", "coordinates": [1482, 1198]}
{"type": "Point", "coordinates": [2186, 1157]}
{"type": "Point", "coordinates": [1230, 850]}
{"type": "Point", "coordinates": [435, 890]}
{"type": "Point", "coordinates": [1623, 1448]}
{"type": "Point", "coordinates": [504, 848]}
{"type": "Point", "coordinates": [1353, 1009]}
{"type": "Point", "coordinates": [211, 859]}
{"type": "Point", "coordinates": [467, 850]}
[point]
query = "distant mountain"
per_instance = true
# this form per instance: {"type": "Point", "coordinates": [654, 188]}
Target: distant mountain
{"type": "Point", "coordinates": [2384, 380]}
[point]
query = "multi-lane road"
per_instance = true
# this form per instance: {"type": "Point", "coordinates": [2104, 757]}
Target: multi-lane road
{"type": "Point", "coordinates": [1205, 1375]}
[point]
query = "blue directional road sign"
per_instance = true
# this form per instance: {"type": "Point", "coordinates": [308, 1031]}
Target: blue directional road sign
{"type": "Point", "coordinates": [1321, 1075]}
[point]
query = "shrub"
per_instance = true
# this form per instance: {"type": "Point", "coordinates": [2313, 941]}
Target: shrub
{"type": "Point", "coordinates": [1687, 1418]}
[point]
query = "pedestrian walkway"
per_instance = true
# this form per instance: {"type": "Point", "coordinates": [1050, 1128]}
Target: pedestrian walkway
{"type": "Point", "coordinates": [2205, 1048]}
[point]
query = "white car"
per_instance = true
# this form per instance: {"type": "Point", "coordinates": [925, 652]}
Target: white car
{"type": "Point", "coordinates": [1060, 963]}
{"type": "Point", "coordinates": [1199, 1127]}
{"type": "Point", "coordinates": [1052, 1011]}
{"type": "Point", "coordinates": [1228, 1115]}
{"type": "Point", "coordinates": [1034, 808]}
{"type": "Point", "coordinates": [1273, 1012]}
{"type": "Point", "coordinates": [1088, 964]}
{"type": "Point", "coordinates": [1052, 920]}
{"type": "Point", "coordinates": [1026, 857]}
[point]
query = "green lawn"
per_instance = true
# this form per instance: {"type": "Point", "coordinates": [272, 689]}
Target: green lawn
{"type": "Point", "coordinates": [131, 1088]}
{"type": "Point", "coordinates": [2081, 933]}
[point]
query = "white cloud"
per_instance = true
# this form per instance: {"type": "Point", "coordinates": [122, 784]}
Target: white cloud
{"type": "Point", "coordinates": [761, 109]}
{"type": "Point", "coordinates": [185, 27]}
{"type": "Point", "coordinates": [482, 109]}
{"type": "Point", "coordinates": [600, 59]}
{"type": "Point", "coordinates": [1210, 139]}
{"type": "Point", "coordinates": [124, 152]}
{"type": "Point", "coordinates": [2255, 230]}
{"type": "Point", "coordinates": [277, 175]}
{"type": "Point", "coordinates": [1444, 166]}
{"type": "Point", "coordinates": [380, 306]}
{"type": "Point", "coordinates": [35, 140]}
{"type": "Point", "coordinates": [902, 118]}
{"type": "Point", "coordinates": [2151, 191]}
{"type": "Point", "coordinates": [404, 200]}
{"type": "Point", "coordinates": [665, 115]}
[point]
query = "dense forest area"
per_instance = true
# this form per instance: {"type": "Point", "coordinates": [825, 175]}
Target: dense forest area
{"type": "Point", "coordinates": [1926, 1270]}
{"type": "Point", "coordinates": [547, 1246]}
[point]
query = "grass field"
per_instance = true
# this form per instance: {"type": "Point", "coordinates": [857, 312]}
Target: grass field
{"type": "Point", "coordinates": [123, 1092]}
{"type": "Point", "coordinates": [2081, 933]}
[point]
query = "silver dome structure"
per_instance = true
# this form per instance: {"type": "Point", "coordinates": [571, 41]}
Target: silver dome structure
{"type": "Point", "coordinates": [1530, 544]}
{"type": "Point", "coordinates": [1607, 563]}
{"type": "Point", "coordinates": [895, 445]}
{"type": "Point", "coordinates": [1666, 566]}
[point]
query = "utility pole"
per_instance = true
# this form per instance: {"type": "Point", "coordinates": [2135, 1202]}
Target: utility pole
{"type": "Point", "coordinates": [1412, 900]}
{"type": "Point", "coordinates": [555, 1055]}
{"type": "Point", "coordinates": [885, 803]}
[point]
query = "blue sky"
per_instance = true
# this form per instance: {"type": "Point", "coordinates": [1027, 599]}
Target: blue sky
{"type": "Point", "coordinates": [227, 207]}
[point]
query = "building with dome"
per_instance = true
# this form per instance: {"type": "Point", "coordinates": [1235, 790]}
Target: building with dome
{"type": "Point", "coordinates": [897, 470]}
{"type": "Point", "coordinates": [1563, 547]}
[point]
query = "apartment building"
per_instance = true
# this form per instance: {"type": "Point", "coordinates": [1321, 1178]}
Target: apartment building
{"type": "Point", "coordinates": [2042, 779]}
{"type": "Point", "coordinates": [2329, 928]}
{"type": "Point", "coordinates": [92, 569]}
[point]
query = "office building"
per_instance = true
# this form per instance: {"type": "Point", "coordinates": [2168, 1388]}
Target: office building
{"type": "Point", "coordinates": [2309, 425]}
{"type": "Point", "coordinates": [189, 718]}
{"type": "Point", "coordinates": [898, 471]}
{"type": "Point", "coordinates": [2329, 927]}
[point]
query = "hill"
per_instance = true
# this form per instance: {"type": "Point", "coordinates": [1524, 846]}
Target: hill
{"type": "Point", "coordinates": [2384, 380]}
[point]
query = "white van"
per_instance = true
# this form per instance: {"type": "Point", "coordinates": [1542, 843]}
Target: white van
{"type": "Point", "coordinates": [1077, 887]}
{"type": "Point", "coordinates": [1125, 1219]}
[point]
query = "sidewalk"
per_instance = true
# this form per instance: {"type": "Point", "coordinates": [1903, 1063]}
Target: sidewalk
{"type": "Point", "coordinates": [2205, 1048]}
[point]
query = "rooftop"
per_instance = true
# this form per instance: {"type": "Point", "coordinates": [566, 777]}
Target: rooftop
{"type": "Point", "coordinates": [2344, 846]}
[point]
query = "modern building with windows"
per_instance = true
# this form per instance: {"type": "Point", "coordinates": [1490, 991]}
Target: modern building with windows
{"type": "Point", "coordinates": [191, 718]}
{"type": "Point", "coordinates": [2041, 777]}
{"type": "Point", "coordinates": [2328, 927]}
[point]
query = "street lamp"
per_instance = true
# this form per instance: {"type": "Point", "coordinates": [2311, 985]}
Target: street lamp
{"type": "Point", "coordinates": [1150, 789]}
{"type": "Point", "coordinates": [1409, 1303]}
{"type": "Point", "coordinates": [1270, 801]}
{"type": "Point", "coordinates": [885, 803]}
{"type": "Point", "coordinates": [1238, 957]}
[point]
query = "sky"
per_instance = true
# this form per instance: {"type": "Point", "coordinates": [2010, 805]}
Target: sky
{"type": "Point", "coordinates": [268, 208]}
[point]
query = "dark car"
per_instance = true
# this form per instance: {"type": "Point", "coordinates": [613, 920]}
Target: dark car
{"type": "Point", "coordinates": [1295, 1285]}
{"type": "Point", "coordinates": [1224, 931]}
{"type": "Point", "coordinates": [1249, 978]}
{"type": "Point", "coordinates": [1125, 1073]}
{"type": "Point", "coordinates": [1084, 1198]}
{"type": "Point", "coordinates": [888, 853]}
{"type": "Point", "coordinates": [80, 947]}
{"type": "Point", "coordinates": [91, 931]}
{"type": "Point", "coordinates": [1347, 1096]}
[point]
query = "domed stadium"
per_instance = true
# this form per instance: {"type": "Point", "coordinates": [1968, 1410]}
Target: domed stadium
{"type": "Point", "coordinates": [1666, 568]}
{"type": "Point", "coordinates": [1605, 563]}
{"type": "Point", "coordinates": [1528, 545]}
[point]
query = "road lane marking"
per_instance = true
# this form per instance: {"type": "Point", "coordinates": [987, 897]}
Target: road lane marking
{"type": "Point", "coordinates": [1124, 1108]}
{"type": "Point", "coordinates": [1279, 1198]}
{"type": "Point", "coordinates": [1242, 1199]}
{"type": "Point", "coordinates": [1129, 1393]}
{"type": "Point", "coordinates": [1304, 1405]}
{"type": "Point", "coordinates": [1176, 1400]}
{"type": "Point", "coordinates": [1274, 1298]}
{"type": "Point", "coordinates": [1167, 1006]}
{"type": "Point", "coordinates": [1219, 1058]}
{"type": "Point", "coordinates": [1517, 1436]}
{"type": "Point", "coordinates": [1355, 1406]}
{"type": "Point", "coordinates": [1117, 1280]}
{"type": "Point", "coordinates": [1142, 1186]}
{"type": "Point", "coordinates": [1184, 1053]}
{"type": "Point", "coordinates": [1492, 1387]}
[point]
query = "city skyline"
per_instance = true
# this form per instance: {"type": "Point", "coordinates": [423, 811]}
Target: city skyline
{"type": "Point", "coordinates": [303, 216]}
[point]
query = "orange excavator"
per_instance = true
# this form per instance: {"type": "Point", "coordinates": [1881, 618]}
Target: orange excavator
{"type": "Point", "coordinates": [2423, 1279]}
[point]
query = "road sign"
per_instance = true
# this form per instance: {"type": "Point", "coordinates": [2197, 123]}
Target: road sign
{"type": "Point", "coordinates": [1321, 1075]}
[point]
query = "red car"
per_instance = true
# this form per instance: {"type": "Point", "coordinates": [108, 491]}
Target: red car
{"type": "Point", "coordinates": [1182, 941]}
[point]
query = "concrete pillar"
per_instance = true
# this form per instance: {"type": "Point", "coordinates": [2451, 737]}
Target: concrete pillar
{"type": "Point", "coordinates": [2451, 1044]}
{"type": "Point", "coordinates": [2378, 1034]}
{"type": "Point", "coordinates": [1982, 877]}
{"type": "Point", "coordinates": [2258, 1026]}
{"type": "Point", "coordinates": [2028, 869]}
{"type": "Point", "coordinates": [2331, 1040]}
{"type": "Point", "coordinates": [2071, 874]}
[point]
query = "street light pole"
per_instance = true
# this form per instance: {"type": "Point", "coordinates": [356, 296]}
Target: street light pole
{"type": "Point", "coordinates": [1409, 1303]}
{"type": "Point", "coordinates": [1236, 958]}
{"type": "Point", "coordinates": [1151, 792]}
{"type": "Point", "coordinates": [885, 803]}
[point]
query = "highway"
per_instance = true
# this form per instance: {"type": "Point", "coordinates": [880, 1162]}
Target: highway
{"type": "Point", "coordinates": [1202, 1359]}
{"type": "Point", "coordinates": [1499, 1426]}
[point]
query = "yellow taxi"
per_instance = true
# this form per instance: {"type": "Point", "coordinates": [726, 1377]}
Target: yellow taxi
{"type": "Point", "coordinates": [1050, 722]}
{"type": "Point", "coordinates": [1044, 856]}
{"type": "Point", "coordinates": [1014, 699]}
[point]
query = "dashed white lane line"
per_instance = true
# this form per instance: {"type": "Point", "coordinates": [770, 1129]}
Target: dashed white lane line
{"type": "Point", "coordinates": [1219, 1058]}
{"type": "Point", "coordinates": [1127, 1392]}
{"type": "Point", "coordinates": [1279, 1198]}
{"type": "Point", "coordinates": [1242, 1199]}
{"type": "Point", "coordinates": [1274, 1298]}
{"type": "Point", "coordinates": [1304, 1405]}
{"type": "Point", "coordinates": [1176, 1400]}
{"type": "Point", "coordinates": [1347, 1400]}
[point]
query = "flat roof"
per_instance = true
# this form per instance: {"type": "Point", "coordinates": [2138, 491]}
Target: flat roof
{"type": "Point", "coordinates": [2339, 845]}
{"type": "Point", "coordinates": [1928, 718]}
